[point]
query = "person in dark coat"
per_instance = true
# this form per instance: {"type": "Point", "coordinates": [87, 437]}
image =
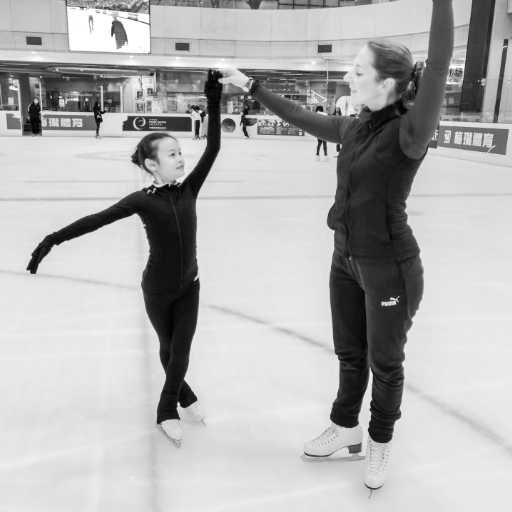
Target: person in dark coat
{"type": "Point", "coordinates": [98, 117]}
{"type": "Point", "coordinates": [34, 114]}
{"type": "Point", "coordinates": [119, 32]}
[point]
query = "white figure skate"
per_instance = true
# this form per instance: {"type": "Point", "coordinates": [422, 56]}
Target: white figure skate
{"type": "Point", "coordinates": [377, 462]}
{"type": "Point", "coordinates": [332, 440]}
{"type": "Point", "coordinates": [172, 429]}
{"type": "Point", "coordinates": [194, 413]}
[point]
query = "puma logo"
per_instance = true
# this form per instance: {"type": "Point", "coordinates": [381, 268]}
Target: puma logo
{"type": "Point", "coordinates": [392, 301]}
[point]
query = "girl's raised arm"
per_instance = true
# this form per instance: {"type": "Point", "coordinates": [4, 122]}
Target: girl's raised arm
{"type": "Point", "coordinates": [213, 92]}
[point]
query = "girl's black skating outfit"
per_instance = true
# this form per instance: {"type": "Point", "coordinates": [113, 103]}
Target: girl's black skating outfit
{"type": "Point", "coordinates": [376, 281]}
{"type": "Point", "coordinates": [170, 280]}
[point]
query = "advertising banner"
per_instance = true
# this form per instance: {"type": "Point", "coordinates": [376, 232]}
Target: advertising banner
{"type": "Point", "coordinates": [277, 127]}
{"type": "Point", "coordinates": [67, 122]}
{"type": "Point", "coordinates": [488, 140]}
{"type": "Point", "coordinates": [157, 124]}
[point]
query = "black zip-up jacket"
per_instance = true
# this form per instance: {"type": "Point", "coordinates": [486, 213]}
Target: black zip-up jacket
{"type": "Point", "coordinates": [169, 216]}
{"type": "Point", "coordinates": [381, 152]}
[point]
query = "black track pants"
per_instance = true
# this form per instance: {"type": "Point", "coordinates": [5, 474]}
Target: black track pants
{"type": "Point", "coordinates": [174, 318]}
{"type": "Point", "coordinates": [372, 305]}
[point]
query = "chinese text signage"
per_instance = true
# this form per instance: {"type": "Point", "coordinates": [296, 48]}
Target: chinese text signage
{"type": "Point", "coordinates": [67, 122]}
{"type": "Point", "coordinates": [488, 140]}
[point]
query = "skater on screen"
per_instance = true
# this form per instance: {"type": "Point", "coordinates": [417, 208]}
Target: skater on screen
{"type": "Point", "coordinates": [118, 31]}
{"type": "Point", "coordinates": [170, 281]}
{"type": "Point", "coordinates": [376, 281]}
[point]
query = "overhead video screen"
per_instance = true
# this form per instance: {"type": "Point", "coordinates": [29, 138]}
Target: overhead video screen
{"type": "Point", "coordinates": [119, 26]}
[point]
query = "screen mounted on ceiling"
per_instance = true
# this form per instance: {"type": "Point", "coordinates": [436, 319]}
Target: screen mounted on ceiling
{"type": "Point", "coordinates": [118, 26]}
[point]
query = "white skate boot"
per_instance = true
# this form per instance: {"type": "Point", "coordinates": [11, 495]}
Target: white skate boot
{"type": "Point", "coordinates": [195, 413]}
{"type": "Point", "coordinates": [333, 439]}
{"type": "Point", "coordinates": [172, 429]}
{"type": "Point", "coordinates": [377, 461]}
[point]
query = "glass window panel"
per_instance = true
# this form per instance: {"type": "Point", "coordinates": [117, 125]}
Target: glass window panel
{"type": "Point", "coordinates": [9, 88]}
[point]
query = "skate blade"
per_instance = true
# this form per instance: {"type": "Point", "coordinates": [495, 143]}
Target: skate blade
{"type": "Point", "coordinates": [348, 453]}
{"type": "Point", "coordinates": [372, 489]}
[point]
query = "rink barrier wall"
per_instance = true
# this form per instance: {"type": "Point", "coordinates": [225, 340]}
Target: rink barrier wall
{"type": "Point", "coordinates": [478, 141]}
{"type": "Point", "coordinates": [135, 125]}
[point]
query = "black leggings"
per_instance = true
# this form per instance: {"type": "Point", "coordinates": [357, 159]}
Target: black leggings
{"type": "Point", "coordinates": [319, 145]}
{"type": "Point", "coordinates": [372, 304]}
{"type": "Point", "coordinates": [174, 318]}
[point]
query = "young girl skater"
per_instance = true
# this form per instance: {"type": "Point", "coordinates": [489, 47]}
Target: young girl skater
{"type": "Point", "coordinates": [376, 281]}
{"type": "Point", "coordinates": [170, 280]}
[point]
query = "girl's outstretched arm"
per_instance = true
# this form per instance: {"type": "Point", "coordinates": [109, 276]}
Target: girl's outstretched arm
{"type": "Point", "coordinates": [124, 208]}
{"type": "Point", "coordinates": [213, 92]}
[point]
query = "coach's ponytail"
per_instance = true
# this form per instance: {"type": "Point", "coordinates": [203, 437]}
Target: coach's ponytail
{"type": "Point", "coordinates": [414, 84]}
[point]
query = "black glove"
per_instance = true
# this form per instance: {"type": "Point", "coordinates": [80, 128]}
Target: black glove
{"type": "Point", "coordinates": [40, 252]}
{"type": "Point", "coordinates": [212, 87]}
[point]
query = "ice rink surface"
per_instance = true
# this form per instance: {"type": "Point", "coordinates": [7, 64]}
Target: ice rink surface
{"type": "Point", "coordinates": [79, 369]}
